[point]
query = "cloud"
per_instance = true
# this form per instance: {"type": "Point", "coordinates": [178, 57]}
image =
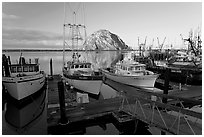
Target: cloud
{"type": "Point", "coordinates": [9, 17]}
{"type": "Point", "coordinates": [28, 38]}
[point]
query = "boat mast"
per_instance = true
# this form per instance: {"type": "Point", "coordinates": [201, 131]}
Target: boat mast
{"type": "Point", "coordinates": [75, 32]}
{"type": "Point", "coordinates": [64, 36]}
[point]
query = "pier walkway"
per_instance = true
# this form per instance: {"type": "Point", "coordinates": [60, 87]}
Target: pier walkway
{"type": "Point", "coordinates": [144, 106]}
{"type": "Point", "coordinates": [168, 118]}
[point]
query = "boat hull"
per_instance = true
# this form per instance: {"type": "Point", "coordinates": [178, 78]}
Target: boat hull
{"type": "Point", "coordinates": [145, 81]}
{"type": "Point", "coordinates": [180, 75]}
{"type": "Point", "coordinates": [22, 87]}
{"type": "Point", "coordinates": [89, 84]}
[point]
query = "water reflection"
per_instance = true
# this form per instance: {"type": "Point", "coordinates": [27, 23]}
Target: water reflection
{"type": "Point", "coordinates": [26, 117]}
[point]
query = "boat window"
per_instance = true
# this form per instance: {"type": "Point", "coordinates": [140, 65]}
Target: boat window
{"type": "Point", "coordinates": [142, 68]}
{"type": "Point", "coordinates": [76, 66]}
{"type": "Point", "coordinates": [30, 68]}
{"type": "Point", "coordinates": [13, 69]}
{"type": "Point", "coordinates": [19, 69]}
{"type": "Point", "coordinates": [25, 69]}
{"type": "Point", "coordinates": [88, 66]}
{"type": "Point", "coordinates": [137, 68]}
{"type": "Point", "coordinates": [36, 68]}
{"type": "Point", "coordinates": [131, 68]}
{"type": "Point", "coordinates": [72, 66]}
{"type": "Point", "coordinates": [80, 66]}
{"type": "Point", "coordinates": [85, 66]}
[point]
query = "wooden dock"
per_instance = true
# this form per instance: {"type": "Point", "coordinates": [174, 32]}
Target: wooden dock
{"type": "Point", "coordinates": [79, 114]}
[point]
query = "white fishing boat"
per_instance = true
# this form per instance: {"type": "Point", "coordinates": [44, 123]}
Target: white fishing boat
{"type": "Point", "coordinates": [23, 79]}
{"type": "Point", "coordinates": [79, 73]}
{"type": "Point", "coordinates": [81, 76]}
{"type": "Point", "coordinates": [131, 73]}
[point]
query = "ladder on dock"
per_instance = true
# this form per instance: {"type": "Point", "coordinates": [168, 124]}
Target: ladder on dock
{"type": "Point", "coordinates": [167, 117]}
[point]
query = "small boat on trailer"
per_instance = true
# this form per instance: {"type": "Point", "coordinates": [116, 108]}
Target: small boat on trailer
{"type": "Point", "coordinates": [22, 79]}
{"type": "Point", "coordinates": [131, 73]}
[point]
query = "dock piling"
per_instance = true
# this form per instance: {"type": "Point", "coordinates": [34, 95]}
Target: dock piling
{"type": "Point", "coordinates": [63, 119]}
{"type": "Point", "coordinates": [166, 84]}
{"type": "Point", "coordinates": [6, 66]}
{"type": "Point", "coordinates": [166, 87]}
{"type": "Point", "coordinates": [9, 60]}
{"type": "Point", "coordinates": [51, 71]}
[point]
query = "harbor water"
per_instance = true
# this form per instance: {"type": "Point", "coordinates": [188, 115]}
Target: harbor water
{"type": "Point", "coordinates": [30, 117]}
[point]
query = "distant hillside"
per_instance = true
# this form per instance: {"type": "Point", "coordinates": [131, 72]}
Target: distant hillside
{"type": "Point", "coordinates": [104, 40]}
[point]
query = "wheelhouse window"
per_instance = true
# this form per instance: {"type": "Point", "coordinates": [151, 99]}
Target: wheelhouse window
{"type": "Point", "coordinates": [81, 66]}
{"type": "Point", "coordinates": [137, 68]}
{"type": "Point", "coordinates": [13, 69]}
{"type": "Point", "coordinates": [36, 68]}
{"type": "Point", "coordinates": [25, 69]}
{"type": "Point", "coordinates": [88, 66]}
{"type": "Point", "coordinates": [129, 69]}
{"type": "Point", "coordinates": [142, 68]}
{"type": "Point", "coordinates": [76, 66]}
{"type": "Point", "coordinates": [19, 69]}
{"type": "Point", "coordinates": [30, 68]}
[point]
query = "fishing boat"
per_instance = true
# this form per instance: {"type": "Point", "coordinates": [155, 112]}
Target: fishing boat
{"type": "Point", "coordinates": [81, 76]}
{"type": "Point", "coordinates": [185, 66]}
{"type": "Point", "coordinates": [186, 69]}
{"type": "Point", "coordinates": [77, 72]}
{"type": "Point", "coordinates": [131, 73]}
{"type": "Point", "coordinates": [22, 79]}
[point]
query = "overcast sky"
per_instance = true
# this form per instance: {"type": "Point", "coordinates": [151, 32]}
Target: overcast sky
{"type": "Point", "coordinates": [39, 25]}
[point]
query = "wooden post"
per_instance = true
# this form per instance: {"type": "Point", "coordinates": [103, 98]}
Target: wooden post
{"type": "Point", "coordinates": [6, 66]}
{"type": "Point", "coordinates": [51, 72]}
{"type": "Point", "coordinates": [63, 119]}
{"type": "Point", "coordinates": [9, 60]}
{"type": "Point", "coordinates": [166, 88]}
{"type": "Point", "coordinates": [166, 84]}
{"type": "Point", "coordinates": [3, 96]}
{"type": "Point", "coordinates": [163, 133]}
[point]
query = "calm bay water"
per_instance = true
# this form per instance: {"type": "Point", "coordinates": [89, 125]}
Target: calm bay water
{"type": "Point", "coordinates": [26, 119]}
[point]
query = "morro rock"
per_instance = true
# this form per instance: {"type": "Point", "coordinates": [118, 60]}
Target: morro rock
{"type": "Point", "coordinates": [104, 40]}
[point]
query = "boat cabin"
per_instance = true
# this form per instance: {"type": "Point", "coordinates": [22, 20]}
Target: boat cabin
{"type": "Point", "coordinates": [24, 68]}
{"type": "Point", "coordinates": [78, 65]}
{"type": "Point", "coordinates": [131, 67]}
